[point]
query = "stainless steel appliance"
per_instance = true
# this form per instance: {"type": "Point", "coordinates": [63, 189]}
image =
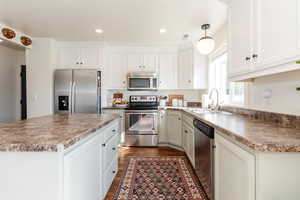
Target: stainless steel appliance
{"type": "Point", "coordinates": [138, 81]}
{"type": "Point", "coordinates": [141, 121]}
{"type": "Point", "coordinates": [204, 156]}
{"type": "Point", "coordinates": [77, 91]}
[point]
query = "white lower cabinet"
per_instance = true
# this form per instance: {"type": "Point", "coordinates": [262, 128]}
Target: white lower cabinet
{"type": "Point", "coordinates": [90, 167]}
{"type": "Point", "coordinates": [82, 172]}
{"type": "Point", "coordinates": [234, 171]}
{"type": "Point", "coordinates": [188, 142]}
{"type": "Point", "coordinates": [120, 112]}
{"type": "Point", "coordinates": [174, 128]}
{"type": "Point", "coordinates": [163, 134]}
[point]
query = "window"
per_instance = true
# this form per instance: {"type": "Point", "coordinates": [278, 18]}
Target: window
{"type": "Point", "coordinates": [229, 92]}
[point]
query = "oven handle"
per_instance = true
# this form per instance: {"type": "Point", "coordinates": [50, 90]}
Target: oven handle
{"type": "Point", "coordinates": [141, 112]}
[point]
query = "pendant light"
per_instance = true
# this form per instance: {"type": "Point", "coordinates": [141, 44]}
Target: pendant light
{"type": "Point", "coordinates": [206, 44]}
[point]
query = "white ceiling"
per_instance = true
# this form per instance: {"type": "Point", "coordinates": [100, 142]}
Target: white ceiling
{"type": "Point", "coordinates": [123, 21]}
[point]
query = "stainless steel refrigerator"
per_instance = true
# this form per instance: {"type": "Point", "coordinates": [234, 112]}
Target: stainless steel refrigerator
{"type": "Point", "coordinates": [77, 91]}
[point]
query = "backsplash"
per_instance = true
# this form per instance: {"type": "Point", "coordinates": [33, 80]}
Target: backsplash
{"type": "Point", "coordinates": [189, 95]}
{"type": "Point", "coordinates": [284, 120]}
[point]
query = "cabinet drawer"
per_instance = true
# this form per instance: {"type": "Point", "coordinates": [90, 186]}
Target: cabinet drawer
{"type": "Point", "coordinates": [109, 175]}
{"type": "Point", "coordinates": [109, 150]}
{"type": "Point", "coordinates": [111, 131]}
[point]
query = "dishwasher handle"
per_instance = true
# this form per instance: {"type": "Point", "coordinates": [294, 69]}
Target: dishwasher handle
{"type": "Point", "coordinates": [204, 128]}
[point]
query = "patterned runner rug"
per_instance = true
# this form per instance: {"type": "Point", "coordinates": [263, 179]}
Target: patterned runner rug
{"type": "Point", "coordinates": [159, 178]}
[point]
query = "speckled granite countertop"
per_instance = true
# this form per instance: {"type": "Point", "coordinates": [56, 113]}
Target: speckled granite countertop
{"type": "Point", "coordinates": [50, 133]}
{"type": "Point", "coordinates": [259, 135]}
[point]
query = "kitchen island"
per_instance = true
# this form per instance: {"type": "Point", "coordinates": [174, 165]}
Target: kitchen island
{"type": "Point", "coordinates": [59, 157]}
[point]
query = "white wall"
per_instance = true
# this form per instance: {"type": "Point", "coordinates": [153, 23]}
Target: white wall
{"type": "Point", "coordinates": [10, 61]}
{"type": "Point", "coordinates": [40, 61]}
{"type": "Point", "coordinates": [284, 99]}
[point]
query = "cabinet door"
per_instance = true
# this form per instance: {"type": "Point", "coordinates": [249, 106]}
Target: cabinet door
{"type": "Point", "coordinates": [276, 32]}
{"type": "Point", "coordinates": [174, 127]}
{"type": "Point", "coordinates": [191, 145]}
{"type": "Point", "coordinates": [185, 71]}
{"type": "Point", "coordinates": [163, 137]}
{"type": "Point", "coordinates": [116, 72]}
{"type": "Point", "coordinates": [149, 62]}
{"type": "Point", "coordinates": [82, 172]}
{"type": "Point", "coordinates": [90, 56]}
{"type": "Point", "coordinates": [240, 36]}
{"type": "Point", "coordinates": [185, 138]}
{"type": "Point", "coordinates": [234, 171]}
{"type": "Point", "coordinates": [168, 71]}
{"type": "Point", "coordinates": [134, 62]}
{"type": "Point", "coordinates": [69, 57]}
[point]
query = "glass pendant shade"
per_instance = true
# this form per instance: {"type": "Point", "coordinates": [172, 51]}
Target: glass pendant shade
{"type": "Point", "coordinates": [206, 45]}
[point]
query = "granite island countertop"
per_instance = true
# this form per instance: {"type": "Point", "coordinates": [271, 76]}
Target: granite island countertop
{"type": "Point", "coordinates": [50, 133]}
{"type": "Point", "coordinates": [259, 135]}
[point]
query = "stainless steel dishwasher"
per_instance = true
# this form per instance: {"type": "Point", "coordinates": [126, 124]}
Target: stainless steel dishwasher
{"type": "Point", "coordinates": [204, 156]}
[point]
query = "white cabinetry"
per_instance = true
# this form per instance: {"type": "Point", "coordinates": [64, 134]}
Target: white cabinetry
{"type": "Point", "coordinates": [163, 134]}
{"type": "Point", "coordinates": [174, 127]}
{"type": "Point", "coordinates": [120, 112]}
{"type": "Point", "coordinates": [82, 171]}
{"type": "Point", "coordinates": [146, 62]}
{"type": "Point", "coordinates": [188, 137]}
{"type": "Point", "coordinates": [168, 71]}
{"type": "Point", "coordinates": [192, 69]}
{"type": "Point", "coordinates": [234, 171]}
{"type": "Point", "coordinates": [240, 36]}
{"type": "Point", "coordinates": [263, 37]}
{"type": "Point", "coordinates": [276, 35]}
{"type": "Point", "coordinates": [77, 56]}
{"type": "Point", "coordinates": [115, 72]}
{"type": "Point", "coordinates": [88, 164]}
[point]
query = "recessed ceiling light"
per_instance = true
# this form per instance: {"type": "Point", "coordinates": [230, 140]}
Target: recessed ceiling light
{"type": "Point", "coordinates": [162, 31]}
{"type": "Point", "coordinates": [99, 31]}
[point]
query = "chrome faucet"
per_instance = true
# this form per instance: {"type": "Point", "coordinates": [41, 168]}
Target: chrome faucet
{"type": "Point", "coordinates": [214, 106]}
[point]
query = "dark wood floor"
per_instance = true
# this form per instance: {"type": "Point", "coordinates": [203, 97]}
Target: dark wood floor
{"type": "Point", "coordinates": [126, 152]}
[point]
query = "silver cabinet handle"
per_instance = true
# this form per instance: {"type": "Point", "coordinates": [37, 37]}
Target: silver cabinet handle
{"type": "Point", "coordinates": [114, 172]}
{"type": "Point", "coordinates": [104, 145]}
{"type": "Point", "coordinates": [77, 63]}
{"type": "Point", "coordinates": [113, 148]}
{"type": "Point", "coordinates": [185, 131]}
{"type": "Point", "coordinates": [81, 63]}
{"type": "Point", "coordinates": [254, 56]}
{"type": "Point", "coordinates": [247, 58]}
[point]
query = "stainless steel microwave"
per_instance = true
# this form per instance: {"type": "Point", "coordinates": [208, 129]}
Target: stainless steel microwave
{"type": "Point", "coordinates": [139, 81]}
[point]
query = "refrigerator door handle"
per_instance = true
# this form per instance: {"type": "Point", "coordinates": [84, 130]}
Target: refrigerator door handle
{"type": "Point", "coordinates": [70, 97]}
{"type": "Point", "coordinates": [73, 97]}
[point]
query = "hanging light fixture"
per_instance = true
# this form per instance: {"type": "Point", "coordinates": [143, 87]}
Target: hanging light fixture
{"type": "Point", "coordinates": [206, 44]}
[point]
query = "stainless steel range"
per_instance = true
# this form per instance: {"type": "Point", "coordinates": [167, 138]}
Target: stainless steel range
{"type": "Point", "coordinates": [141, 121]}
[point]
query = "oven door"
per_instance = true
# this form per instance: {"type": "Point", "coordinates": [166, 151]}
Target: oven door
{"type": "Point", "coordinates": [141, 122]}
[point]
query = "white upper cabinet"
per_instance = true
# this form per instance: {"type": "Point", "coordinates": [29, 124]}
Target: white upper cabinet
{"type": "Point", "coordinates": [146, 62]}
{"type": "Point", "coordinates": [276, 32]}
{"type": "Point", "coordinates": [240, 36]}
{"type": "Point", "coordinates": [263, 37]}
{"type": "Point", "coordinates": [72, 54]}
{"type": "Point", "coordinates": [168, 71]}
{"type": "Point", "coordinates": [69, 56]}
{"type": "Point", "coordinates": [115, 72]}
{"type": "Point", "coordinates": [134, 62]}
{"type": "Point", "coordinates": [90, 56]}
{"type": "Point", "coordinates": [192, 69]}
